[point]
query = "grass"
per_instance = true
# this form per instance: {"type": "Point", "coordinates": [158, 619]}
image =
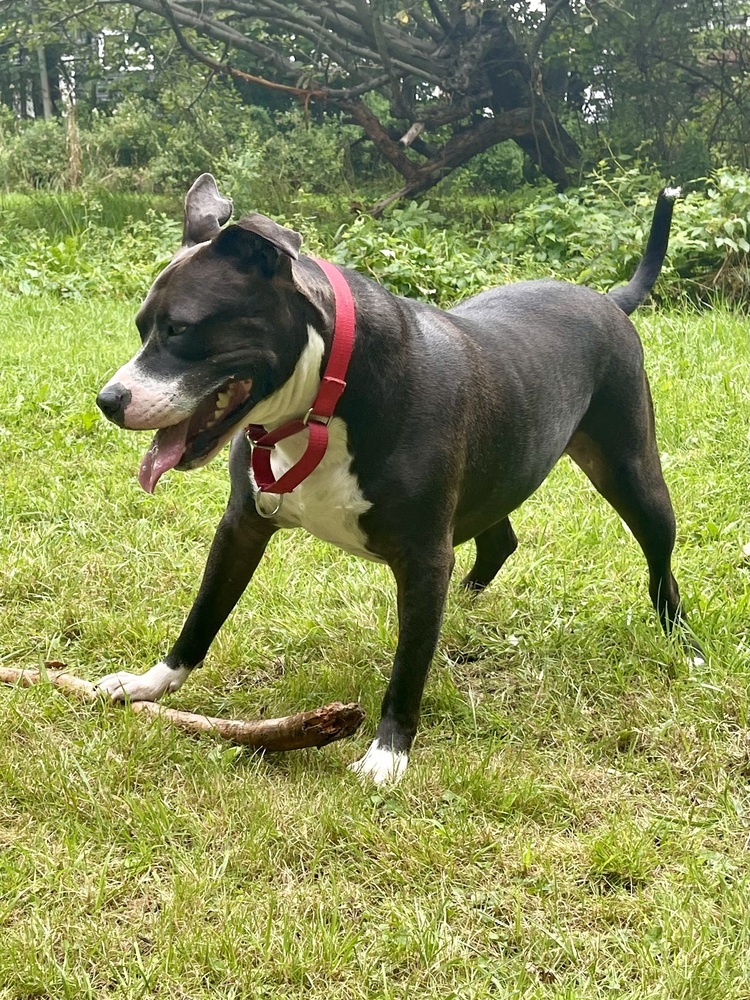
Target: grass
{"type": "Point", "coordinates": [65, 213]}
{"type": "Point", "coordinates": [574, 822]}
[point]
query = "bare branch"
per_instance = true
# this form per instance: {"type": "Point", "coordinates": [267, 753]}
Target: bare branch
{"type": "Point", "coordinates": [400, 105]}
{"type": "Point", "coordinates": [375, 131]}
{"type": "Point", "coordinates": [315, 728]}
{"type": "Point", "coordinates": [431, 30]}
{"type": "Point", "coordinates": [439, 16]}
{"type": "Point", "coordinates": [546, 25]}
{"type": "Point", "coordinates": [218, 67]}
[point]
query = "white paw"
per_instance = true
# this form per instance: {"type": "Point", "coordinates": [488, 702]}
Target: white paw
{"type": "Point", "coordinates": [381, 765]}
{"type": "Point", "coordinates": [158, 680]}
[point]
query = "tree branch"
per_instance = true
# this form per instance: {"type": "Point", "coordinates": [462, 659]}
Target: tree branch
{"type": "Point", "coordinates": [218, 67]}
{"type": "Point", "coordinates": [439, 16]}
{"type": "Point", "coordinates": [546, 25]}
{"type": "Point", "coordinates": [291, 732]}
{"type": "Point", "coordinates": [379, 136]}
{"type": "Point", "coordinates": [424, 23]}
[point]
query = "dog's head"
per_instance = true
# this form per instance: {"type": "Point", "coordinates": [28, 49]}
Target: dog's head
{"type": "Point", "coordinates": [222, 327]}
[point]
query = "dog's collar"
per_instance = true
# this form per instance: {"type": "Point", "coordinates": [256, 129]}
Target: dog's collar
{"type": "Point", "coordinates": [318, 416]}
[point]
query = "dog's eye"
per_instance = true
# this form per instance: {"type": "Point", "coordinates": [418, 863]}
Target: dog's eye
{"type": "Point", "coordinates": [175, 329]}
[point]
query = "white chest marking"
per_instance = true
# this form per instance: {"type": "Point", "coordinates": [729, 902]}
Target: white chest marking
{"type": "Point", "coordinates": [329, 502]}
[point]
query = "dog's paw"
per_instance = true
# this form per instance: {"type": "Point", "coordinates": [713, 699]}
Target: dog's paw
{"type": "Point", "coordinates": [157, 681]}
{"type": "Point", "coordinates": [380, 765]}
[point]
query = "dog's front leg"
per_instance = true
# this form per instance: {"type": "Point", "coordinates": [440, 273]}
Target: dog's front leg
{"type": "Point", "coordinates": [422, 580]}
{"type": "Point", "coordinates": [237, 548]}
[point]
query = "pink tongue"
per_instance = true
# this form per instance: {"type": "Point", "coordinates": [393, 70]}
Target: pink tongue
{"type": "Point", "coordinates": [165, 452]}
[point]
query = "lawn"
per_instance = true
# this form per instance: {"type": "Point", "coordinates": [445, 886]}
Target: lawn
{"type": "Point", "coordinates": [575, 819]}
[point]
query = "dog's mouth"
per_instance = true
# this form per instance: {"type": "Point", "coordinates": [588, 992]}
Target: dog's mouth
{"type": "Point", "coordinates": [197, 438]}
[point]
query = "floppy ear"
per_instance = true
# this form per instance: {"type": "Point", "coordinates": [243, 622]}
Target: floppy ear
{"type": "Point", "coordinates": [288, 241]}
{"type": "Point", "coordinates": [205, 211]}
{"type": "Point", "coordinates": [259, 241]}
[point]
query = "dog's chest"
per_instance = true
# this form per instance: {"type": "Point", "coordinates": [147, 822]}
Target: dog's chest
{"type": "Point", "coordinates": [329, 502]}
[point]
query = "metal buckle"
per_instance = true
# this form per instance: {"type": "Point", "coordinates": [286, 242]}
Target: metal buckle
{"type": "Point", "coordinates": [252, 442]}
{"type": "Point", "coordinates": [275, 511]}
{"type": "Point", "coordinates": [316, 417]}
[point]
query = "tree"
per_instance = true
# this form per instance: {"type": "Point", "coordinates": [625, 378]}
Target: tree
{"type": "Point", "coordinates": [431, 83]}
{"type": "Point", "coordinates": [670, 72]}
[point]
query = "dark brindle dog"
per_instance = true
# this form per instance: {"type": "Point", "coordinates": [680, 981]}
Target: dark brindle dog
{"type": "Point", "coordinates": [448, 422]}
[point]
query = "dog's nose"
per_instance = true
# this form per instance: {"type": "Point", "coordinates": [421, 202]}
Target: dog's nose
{"type": "Point", "coordinates": [112, 401]}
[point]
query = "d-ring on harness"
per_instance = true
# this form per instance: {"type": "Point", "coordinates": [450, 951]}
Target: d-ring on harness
{"type": "Point", "coordinates": [318, 416]}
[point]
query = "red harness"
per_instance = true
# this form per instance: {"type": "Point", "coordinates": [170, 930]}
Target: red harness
{"type": "Point", "coordinates": [318, 416]}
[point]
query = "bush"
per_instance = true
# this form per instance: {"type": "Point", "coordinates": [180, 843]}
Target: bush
{"type": "Point", "coordinates": [593, 235]}
{"type": "Point", "coordinates": [91, 260]}
{"type": "Point", "coordinates": [267, 158]}
{"type": "Point", "coordinates": [34, 154]}
{"type": "Point", "coordinates": [414, 251]}
{"type": "Point", "coordinates": [596, 233]}
{"type": "Point", "coordinates": [494, 170]}
{"type": "Point", "coordinates": [284, 156]}
{"type": "Point", "coordinates": [129, 137]}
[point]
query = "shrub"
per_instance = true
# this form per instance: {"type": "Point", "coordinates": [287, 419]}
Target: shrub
{"type": "Point", "coordinates": [278, 159]}
{"type": "Point", "coordinates": [129, 137]}
{"type": "Point", "coordinates": [414, 251]}
{"type": "Point", "coordinates": [90, 261]}
{"type": "Point", "coordinates": [497, 169]}
{"type": "Point", "coordinates": [34, 155]}
{"type": "Point", "coordinates": [593, 235]}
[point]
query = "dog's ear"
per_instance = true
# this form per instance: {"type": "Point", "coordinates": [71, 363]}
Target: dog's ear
{"type": "Point", "coordinates": [258, 241]}
{"type": "Point", "coordinates": [205, 211]}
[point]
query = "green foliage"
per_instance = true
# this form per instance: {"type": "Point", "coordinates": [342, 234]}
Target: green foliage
{"type": "Point", "coordinates": [91, 259]}
{"type": "Point", "coordinates": [129, 138]}
{"type": "Point", "coordinates": [262, 159]}
{"type": "Point", "coordinates": [284, 156]}
{"type": "Point", "coordinates": [34, 155]}
{"type": "Point", "coordinates": [497, 169]}
{"type": "Point", "coordinates": [441, 251]}
{"type": "Point", "coordinates": [413, 251]}
{"type": "Point", "coordinates": [693, 161]}
{"type": "Point", "coordinates": [592, 235]}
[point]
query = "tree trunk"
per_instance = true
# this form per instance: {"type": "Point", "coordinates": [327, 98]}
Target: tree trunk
{"type": "Point", "coordinates": [536, 132]}
{"type": "Point", "coordinates": [44, 82]}
{"type": "Point", "coordinates": [75, 164]}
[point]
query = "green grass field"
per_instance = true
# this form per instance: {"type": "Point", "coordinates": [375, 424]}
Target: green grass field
{"type": "Point", "coordinates": [575, 820]}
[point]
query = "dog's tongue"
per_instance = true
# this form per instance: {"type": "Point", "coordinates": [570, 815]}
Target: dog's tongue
{"type": "Point", "coordinates": [165, 452]}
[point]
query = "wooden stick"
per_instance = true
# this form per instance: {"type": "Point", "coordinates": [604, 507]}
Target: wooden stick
{"type": "Point", "coordinates": [291, 732]}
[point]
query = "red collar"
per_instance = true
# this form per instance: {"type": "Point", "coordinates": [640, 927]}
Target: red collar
{"type": "Point", "coordinates": [318, 416]}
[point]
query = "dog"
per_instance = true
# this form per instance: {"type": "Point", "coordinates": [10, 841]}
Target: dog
{"type": "Point", "coordinates": [444, 423]}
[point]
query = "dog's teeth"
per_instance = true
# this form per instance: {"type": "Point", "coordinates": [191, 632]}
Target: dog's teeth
{"type": "Point", "coordinates": [222, 400]}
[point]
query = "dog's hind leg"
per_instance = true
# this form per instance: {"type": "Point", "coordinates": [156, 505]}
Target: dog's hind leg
{"type": "Point", "coordinates": [630, 478]}
{"type": "Point", "coordinates": [493, 547]}
{"type": "Point", "coordinates": [237, 548]}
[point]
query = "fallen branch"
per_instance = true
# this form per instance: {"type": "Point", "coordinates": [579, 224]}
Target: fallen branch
{"type": "Point", "coordinates": [291, 732]}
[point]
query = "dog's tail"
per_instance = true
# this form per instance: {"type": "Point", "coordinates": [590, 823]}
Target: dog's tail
{"type": "Point", "coordinates": [629, 297]}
